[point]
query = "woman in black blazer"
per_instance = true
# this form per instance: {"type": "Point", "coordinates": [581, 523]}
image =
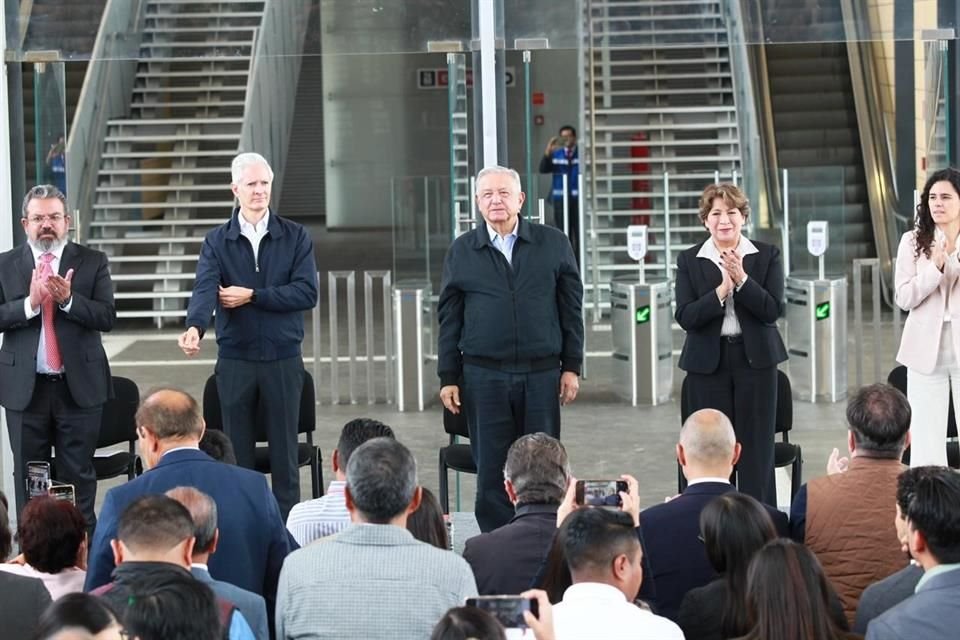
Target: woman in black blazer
{"type": "Point", "coordinates": [729, 293]}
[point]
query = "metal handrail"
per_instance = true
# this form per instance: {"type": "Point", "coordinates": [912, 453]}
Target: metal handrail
{"type": "Point", "coordinates": [881, 190]}
{"type": "Point", "coordinates": [754, 79]}
{"type": "Point", "coordinates": [105, 94]}
{"type": "Point", "coordinates": [272, 83]}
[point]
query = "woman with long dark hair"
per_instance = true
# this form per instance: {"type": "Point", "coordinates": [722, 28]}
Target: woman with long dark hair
{"type": "Point", "coordinates": [789, 598]}
{"type": "Point", "coordinates": [733, 528]}
{"type": "Point", "coordinates": [927, 279]}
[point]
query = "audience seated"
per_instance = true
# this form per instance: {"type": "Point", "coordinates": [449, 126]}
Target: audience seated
{"type": "Point", "coordinates": [22, 600]}
{"type": "Point", "coordinates": [407, 585]}
{"type": "Point", "coordinates": [53, 541]}
{"type": "Point", "coordinates": [155, 541]}
{"type": "Point", "coordinates": [170, 426]}
{"type": "Point", "coordinates": [734, 526]}
{"type": "Point", "coordinates": [605, 558]}
{"type": "Point", "coordinates": [327, 515]}
{"type": "Point", "coordinates": [468, 623]}
{"type": "Point", "coordinates": [217, 445]}
{"type": "Point", "coordinates": [203, 511]}
{"type": "Point", "coordinates": [171, 606]}
{"type": "Point", "coordinates": [427, 523]}
{"type": "Point", "coordinates": [79, 613]}
{"type": "Point", "coordinates": [844, 517]}
{"type": "Point", "coordinates": [933, 537]}
{"type": "Point", "coordinates": [536, 475]}
{"type": "Point", "coordinates": [553, 577]}
{"type": "Point", "coordinates": [894, 589]}
{"type": "Point", "coordinates": [788, 596]}
{"type": "Point", "coordinates": [675, 560]}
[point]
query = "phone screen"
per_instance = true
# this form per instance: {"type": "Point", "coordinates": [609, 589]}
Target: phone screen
{"type": "Point", "coordinates": [508, 610]}
{"type": "Point", "coordinates": [64, 492]}
{"type": "Point", "coordinates": [38, 479]}
{"type": "Point", "coordinates": [600, 493]}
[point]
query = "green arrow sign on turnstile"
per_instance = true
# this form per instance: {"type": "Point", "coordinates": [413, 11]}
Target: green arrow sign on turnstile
{"type": "Point", "coordinates": [823, 311]}
{"type": "Point", "coordinates": [643, 314]}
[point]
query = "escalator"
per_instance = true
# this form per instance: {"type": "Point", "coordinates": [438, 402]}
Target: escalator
{"type": "Point", "coordinates": [816, 132]}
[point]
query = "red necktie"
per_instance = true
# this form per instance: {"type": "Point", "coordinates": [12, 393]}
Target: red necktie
{"type": "Point", "coordinates": [48, 311]}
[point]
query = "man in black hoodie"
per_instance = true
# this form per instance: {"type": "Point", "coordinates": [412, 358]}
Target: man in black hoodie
{"type": "Point", "coordinates": [153, 547]}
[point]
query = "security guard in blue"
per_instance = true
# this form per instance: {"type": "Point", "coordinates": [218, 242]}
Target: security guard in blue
{"type": "Point", "coordinates": [511, 333]}
{"type": "Point", "coordinates": [561, 158]}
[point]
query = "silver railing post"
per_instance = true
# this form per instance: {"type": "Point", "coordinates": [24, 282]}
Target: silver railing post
{"type": "Point", "coordinates": [333, 279]}
{"type": "Point", "coordinates": [368, 324]}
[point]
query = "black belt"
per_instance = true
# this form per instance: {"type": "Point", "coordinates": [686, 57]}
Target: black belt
{"type": "Point", "coordinates": [515, 366]}
{"type": "Point", "coordinates": [737, 339]}
{"type": "Point", "coordinates": [52, 377]}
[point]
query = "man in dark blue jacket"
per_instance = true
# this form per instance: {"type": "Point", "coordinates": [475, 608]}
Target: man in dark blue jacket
{"type": "Point", "coordinates": [511, 333]}
{"type": "Point", "coordinates": [258, 272]}
{"type": "Point", "coordinates": [561, 158]}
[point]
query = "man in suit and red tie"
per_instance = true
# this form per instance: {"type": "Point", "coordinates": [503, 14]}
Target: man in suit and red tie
{"type": "Point", "coordinates": [56, 297]}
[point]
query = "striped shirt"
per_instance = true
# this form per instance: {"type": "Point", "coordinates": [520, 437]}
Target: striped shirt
{"type": "Point", "coordinates": [324, 516]}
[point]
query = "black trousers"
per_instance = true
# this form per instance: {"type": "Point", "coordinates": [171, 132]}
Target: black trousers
{"type": "Point", "coordinates": [748, 397]}
{"type": "Point", "coordinates": [573, 224]}
{"type": "Point", "coordinates": [271, 389]}
{"type": "Point", "coordinates": [53, 420]}
{"type": "Point", "coordinates": [501, 406]}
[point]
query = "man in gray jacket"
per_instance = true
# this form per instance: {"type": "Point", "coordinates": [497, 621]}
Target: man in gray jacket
{"type": "Point", "coordinates": [374, 564]}
{"type": "Point", "coordinates": [933, 521]}
{"type": "Point", "coordinates": [203, 510]}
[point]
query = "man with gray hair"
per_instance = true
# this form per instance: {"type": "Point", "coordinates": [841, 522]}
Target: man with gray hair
{"type": "Point", "coordinates": [507, 559]}
{"type": "Point", "coordinates": [409, 584]}
{"type": "Point", "coordinates": [674, 556]}
{"type": "Point", "coordinates": [203, 511]}
{"type": "Point", "coordinates": [257, 271]}
{"type": "Point", "coordinates": [511, 333]}
{"type": "Point", "coordinates": [56, 297]}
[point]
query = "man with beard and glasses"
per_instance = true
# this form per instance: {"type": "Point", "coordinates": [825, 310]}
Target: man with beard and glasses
{"type": "Point", "coordinates": [56, 297]}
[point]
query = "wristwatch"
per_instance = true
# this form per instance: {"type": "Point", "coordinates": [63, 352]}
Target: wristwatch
{"type": "Point", "coordinates": [253, 295]}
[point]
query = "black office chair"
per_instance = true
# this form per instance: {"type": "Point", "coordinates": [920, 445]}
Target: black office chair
{"type": "Point", "coordinates": [785, 453]}
{"type": "Point", "coordinates": [456, 456]}
{"type": "Point", "coordinates": [308, 454]}
{"type": "Point", "coordinates": [117, 424]}
{"type": "Point", "coordinates": [898, 380]}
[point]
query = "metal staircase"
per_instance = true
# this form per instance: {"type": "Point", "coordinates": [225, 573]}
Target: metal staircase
{"type": "Point", "coordinates": [163, 178]}
{"type": "Point", "coordinates": [659, 101]}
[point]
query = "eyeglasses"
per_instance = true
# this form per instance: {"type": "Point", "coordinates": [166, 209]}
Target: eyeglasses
{"type": "Point", "coordinates": [53, 218]}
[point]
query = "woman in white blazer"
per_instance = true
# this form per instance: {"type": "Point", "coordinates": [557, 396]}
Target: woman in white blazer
{"type": "Point", "coordinates": [928, 286]}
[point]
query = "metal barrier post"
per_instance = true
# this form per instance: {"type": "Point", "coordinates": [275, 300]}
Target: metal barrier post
{"type": "Point", "coordinates": [315, 331]}
{"type": "Point", "coordinates": [333, 278]}
{"type": "Point", "coordinates": [874, 265]}
{"type": "Point", "coordinates": [368, 278]}
{"type": "Point", "coordinates": [409, 309]}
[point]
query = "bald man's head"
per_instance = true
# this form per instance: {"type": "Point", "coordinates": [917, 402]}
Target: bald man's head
{"type": "Point", "coordinates": [708, 443]}
{"type": "Point", "coordinates": [171, 413]}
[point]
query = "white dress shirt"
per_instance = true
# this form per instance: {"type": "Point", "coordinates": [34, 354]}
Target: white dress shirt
{"type": "Point", "coordinates": [709, 251]}
{"type": "Point", "coordinates": [504, 244]}
{"type": "Point", "coordinates": [254, 232]}
{"type": "Point", "coordinates": [31, 313]}
{"type": "Point", "coordinates": [596, 610]}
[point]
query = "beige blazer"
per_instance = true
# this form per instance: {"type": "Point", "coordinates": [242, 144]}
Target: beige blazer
{"type": "Point", "coordinates": [928, 295]}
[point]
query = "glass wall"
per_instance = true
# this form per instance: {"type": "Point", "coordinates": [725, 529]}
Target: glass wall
{"type": "Point", "coordinates": [367, 110]}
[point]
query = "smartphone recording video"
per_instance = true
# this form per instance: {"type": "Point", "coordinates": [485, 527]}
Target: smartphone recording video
{"type": "Point", "coordinates": [38, 479]}
{"type": "Point", "coordinates": [64, 492]}
{"type": "Point", "coordinates": [508, 610]}
{"type": "Point", "coordinates": [600, 493]}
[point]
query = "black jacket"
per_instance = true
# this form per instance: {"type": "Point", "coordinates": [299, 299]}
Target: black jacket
{"type": "Point", "coordinates": [506, 560]}
{"type": "Point", "coordinates": [22, 601]}
{"type": "Point", "coordinates": [78, 332]}
{"type": "Point", "coordinates": [758, 305]}
{"type": "Point", "coordinates": [283, 277]}
{"type": "Point", "coordinates": [674, 558]}
{"type": "Point", "coordinates": [528, 311]}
